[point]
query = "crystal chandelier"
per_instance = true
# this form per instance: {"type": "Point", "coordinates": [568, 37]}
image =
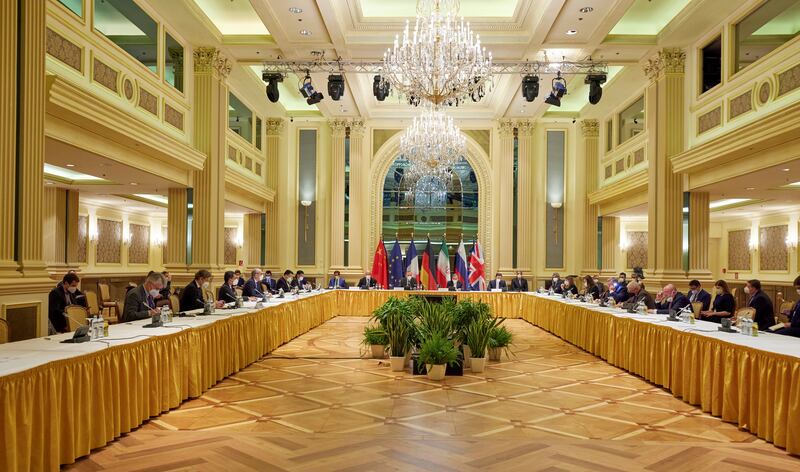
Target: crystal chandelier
{"type": "Point", "coordinates": [442, 61]}
{"type": "Point", "coordinates": [432, 144]}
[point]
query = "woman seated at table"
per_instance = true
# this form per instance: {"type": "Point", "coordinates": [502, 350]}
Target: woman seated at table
{"type": "Point", "coordinates": [568, 287]}
{"type": "Point", "coordinates": [724, 304]}
{"type": "Point", "coordinates": [590, 287]}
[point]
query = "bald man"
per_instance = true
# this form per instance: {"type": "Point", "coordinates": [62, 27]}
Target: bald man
{"type": "Point", "coordinates": [670, 301]}
{"type": "Point", "coordinates": [638, 294]}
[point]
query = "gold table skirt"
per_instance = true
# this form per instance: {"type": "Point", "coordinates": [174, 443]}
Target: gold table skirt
{"type": "Point", "coordinates": [57, 412]}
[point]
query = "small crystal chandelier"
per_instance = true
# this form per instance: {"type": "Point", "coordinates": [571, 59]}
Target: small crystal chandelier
{"type": "Point", "coordinates": [432, 144]}
{"type": "Point", "coordinates": [442, 61]}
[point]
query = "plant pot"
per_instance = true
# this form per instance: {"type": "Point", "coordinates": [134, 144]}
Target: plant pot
{"type": "Point", "coordinates": [436, 372]}
{"type": "Point", "coordinates": [495, 353]}
{"type": "Point", "coordinates": [477, 364]}
{"type": "Point", "coordinates": [467, 355]}
{"type": "Point", "coordinates": [407, 361]}
{"type": "Point", "coordinates": [397, 363]}
{"type": "Point", "coordinates": [378, 351]}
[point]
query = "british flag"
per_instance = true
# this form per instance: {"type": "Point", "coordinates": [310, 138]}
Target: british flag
{"type": "Point", "coordinates": [477, 277]}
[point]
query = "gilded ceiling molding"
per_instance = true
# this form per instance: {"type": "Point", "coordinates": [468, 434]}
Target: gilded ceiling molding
{"type": "Point", "coordinates": [506, 128]}
{"type": "Point", "coordinates": [590, 128]}
{"type": "Point", "coordinates": [338, 126]}
{"type": "Point", "coordinates": [667, 60]}
{"type": "Point", "coordinates": [524, 127]}
{"type": "Point", "coordinates": [274, 126]}
{"type": "Point", "coordinates": [209, 59]}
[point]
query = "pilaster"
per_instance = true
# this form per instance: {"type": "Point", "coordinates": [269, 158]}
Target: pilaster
{"type": "Point", "coordinates": [252, 240]}
{"type": "Point", "coordinates": [504, 188]}
{"type": "Point", "coordinates": [525, 243]}
{"type": "Point", "coordinates": [275, 127]}
{"type": "Point", "coordinates": [73, 203]}
{"type": "Point", "coordinates": [175, 257]}
{"type": "Point", "coordinates": [610, 243]}
{"type": "Point", "coordinates": [590, 131]}
{"type": "Point", "coordinates": [359, 165]}
{"type": "Point", "coordinates": [336, 239]}
{"type": "Point", "coordinates": [8, 133]}
{"type": "Point", "coordinates": [698, 236]}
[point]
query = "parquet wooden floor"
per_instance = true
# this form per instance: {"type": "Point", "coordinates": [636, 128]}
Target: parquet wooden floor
{"type": "Point", "coordinates": [315, 405]}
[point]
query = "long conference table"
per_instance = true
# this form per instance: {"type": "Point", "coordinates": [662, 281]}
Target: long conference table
{"type": "Point", "coordinates": [59, 401]}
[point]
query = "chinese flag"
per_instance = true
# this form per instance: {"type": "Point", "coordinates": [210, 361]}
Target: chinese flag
{"type": "Point", "coordinates": [380, 266]}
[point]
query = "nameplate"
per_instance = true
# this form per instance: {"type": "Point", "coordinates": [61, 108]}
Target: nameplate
{"type": "Point", "coordinates": [444, 289]}
{"type": "Point", "coordinates": [353, 288]}
{"type": "Point", "coordinates": [398, 288]}
{"type": "Point", "coordinates": [495, 290]}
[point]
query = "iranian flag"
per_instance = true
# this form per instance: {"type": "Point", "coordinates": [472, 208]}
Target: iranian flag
{"type": "Point", "coordinates": [443, 265]}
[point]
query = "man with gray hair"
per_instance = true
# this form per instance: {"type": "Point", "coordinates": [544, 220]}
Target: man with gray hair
{"type": "Point", "coordinates": [638, 295]}
{"type": "Point", "coordinates": [140, 302]}
{"type": "Point", "coordinates": [252, 288]}
{"type": "Point", "coordinates": [670, 301]}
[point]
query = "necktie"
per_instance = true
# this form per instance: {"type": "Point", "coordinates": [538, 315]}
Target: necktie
{"type": "Point", "coordinates": [149, 301]}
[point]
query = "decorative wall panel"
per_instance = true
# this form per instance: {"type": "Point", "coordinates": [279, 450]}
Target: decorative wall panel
{"type": "Point", "coordinates": [173, 117]}
{"type": "Point", "coordinates": [638, 156]}
{"type": "Point", "coordinates": [772, 251]}
{"type": "Point", "coordinates": [83, 237]}
{"type": "Point", "coordinates": [741, 104]}
{"type": "Point", "coordinates": [109, 241]}
{"type": "Point", "coordinates": [148, 101]}
{"type": "Point", "coordinates": [637, 249]}
{"type": "Point", "coordinates": [739, 250]}
{"type": "Point", "coordinates": [230, 246]}
{"type": "Point", "coordinates": [709, 121]}
{"type": "Point", "coordinates": [139, 247]}
{"type": "Point", "coordinates": [64, 50]}
{"type": "Point", "coordinates": [789, 80]}
{"type": "Point", "coordinates": [104, 75]}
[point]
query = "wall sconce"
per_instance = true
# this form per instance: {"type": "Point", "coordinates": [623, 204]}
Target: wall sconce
{"type": "Point", "coordinates": [556, 205]}
{"type": "Point", "coordinates": [624, 242]}
{"type": "Point", "coordinates": [753, 243]}
{"type": "Point", "coordinates": [92, 228]}
{"type": "Point", "coordinates": [791, 241]}
{"type": "Point", "coordinates": [126, 233]}
{"type": "Point", "coordinates": [306, 204]}
{"type": "Point", "coordinates": [239, 237]}
{"type": "Point", "coordinates": [156, 237]}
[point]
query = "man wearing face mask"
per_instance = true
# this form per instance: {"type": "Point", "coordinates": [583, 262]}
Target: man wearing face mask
{"type": "Point", "coordinates": [337, 281]}
{"type": "Point", "coordinates": [765, 313]}
{"type": "Point", "coordinates": [556, 283]}
{"type": "Point", "coordinates": [792, 327]}
{"type": "Point", "coordinates": [670, 301]}
{"type": "Point", "coordinates": [638, 295]}
{"type": "Point", "coordinates": [140, 302]}
{"type": "Point", "coordinates": [409, 283]}
{"type": "Point", "coordinates": [519, 284]}
{"type": "Point", "coordinates": [286, 282]}
{"type": "Point", "coordinates": [65, 293]}
{"type": "Point", "coordinates": [192, 296]}
{"type": "Point", "coordinates": [498, 283]}
{"type": "Point", "coordinates": [698, 294]}
{"type": "Point", "coordinates": [227, 292]}
{"type": "Point", "coordinates": [268, 282]}
{"type": "Point", "coordinates": [299, 281]}
{"type": "Point", "coordinates": [253, 287]}
{"type": "Point", "coordinates": [366, 282]}
{"type": "Point", "coordinates": [455, 285]}
{"type": "Point", "coordinates": [620, 293]}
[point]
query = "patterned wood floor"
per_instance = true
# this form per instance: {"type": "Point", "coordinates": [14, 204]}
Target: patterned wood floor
{"type": "Point", "coordinates": [314, 405]}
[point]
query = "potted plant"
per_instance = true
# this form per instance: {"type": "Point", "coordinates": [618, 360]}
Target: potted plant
{"type": "Point", "coordinates": [499, 340]}
{"type": "Point", "coordinates": [477, 337]}
{"type": "Point", "coordinates": [464, 313]}
{"type": "Point", "coordinates": [398, 326]}
{"type": "Point", "coordinates": [375, 337]}
{"type": "Point", "coordinates": [435, 353]}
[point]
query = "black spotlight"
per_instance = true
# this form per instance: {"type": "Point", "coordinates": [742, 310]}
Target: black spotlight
{"type": "Point", "coordinates": [272, 85]}
{"type": "Point", "coordinates": [309, 93]}
{"type": "Point", "coordinates": [559, 89]}
{"type": "Point", "coordinates": [595, 82]}
{"type": "Point", "coordinates": [530, 87]}
{"type": "Point", "coordinates": [336, 86]}
{"type": "Point", "coordinates": [380, 88]}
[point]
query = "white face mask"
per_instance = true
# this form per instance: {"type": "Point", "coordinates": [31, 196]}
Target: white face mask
{"type": "Point", "coordinates": [72, 289]}
{"type": "Point", "coordinates": [498, 279]}
{"type": "Point", "coordinates": [555, 279]}
{"type": "Point", "coordinates": [205, 284]}
{"type": "Point", "coordinates": [153, 292]}
{"type": "Point", "coordinates": [289, 279]}
{"type": "Point", "coordinates": [234, 281]}
{"type": "Point", "coordinates": [456, 281]}
{"type": "Point", "coordinates": [719, 291]}
{"type": "Point", "coordinates": [798, 291]}
{"type": "Point", "coordinates": [747, 290]}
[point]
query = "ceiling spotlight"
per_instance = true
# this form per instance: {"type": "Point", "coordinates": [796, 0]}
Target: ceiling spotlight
{"type": "Point", "coordinates": [380, 88]}
{"type": "Point", "coordinates": [309, 93]}
{"type": "Point", "coordinates": [272, 85]}
{"type": "Point", "coordinates": [295, 10]}
{"type": "Point", "coordinates": [336, 86]}
{"type": "Point", "coordinates": [530, 87]}
{"type": "Point", "coordinates": [572, 32]}
{"type": "Point", "coordinates": [586, 10]}
{"type": "Point", "coordinates": [595, 82]}
{"type": "Point", "coordinates": [73, 165]}
{"type": "Point", "coordinates": [559, 90]}
{"type": "Point", "coordinates": [305, 32]}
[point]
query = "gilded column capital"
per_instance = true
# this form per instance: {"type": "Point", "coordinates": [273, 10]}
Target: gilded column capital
{"type": "Point", "coordinates": [506, 128]}
{"type": "Point", "coordinates": [338, 127]}
{"type": "Point", "coordinates": [274, 126]}
{"type": "Point", "coordinates": [357, 128]}
{"type": "Point", "coordinates": [209, 59]}
{"type": "Point", "coordinates": [667, 60]}
{"type": "Point", "coordinates": [590, 128]}
{"type": "Point", "coordinates": [524, 127]}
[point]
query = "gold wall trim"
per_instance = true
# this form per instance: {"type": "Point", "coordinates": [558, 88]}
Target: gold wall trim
{"type": "Point", "coordinates": [173, 116]}
{"type": "Point", "coordinates": [105, 75]}
{"type": "Point", "coordinates": [148, 101]}
{"type": "Point", "coordinates": [709, 120]}
{"type": "Point", "coordinates": [64, 50]}
{"type": "Point", "coordinates": [740, 105]}
{"type": "Point", "coordinates": [635, 183]}
{"type": "Point", "coordinates": [789, 80]}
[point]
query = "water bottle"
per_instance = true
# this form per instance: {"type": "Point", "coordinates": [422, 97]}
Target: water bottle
{"type": "Point", "coordinates": [164, 314]}
{"type": "Point", "coordinates": [754, 329]}
{"type": "Point", "coordinates": [101, 331]}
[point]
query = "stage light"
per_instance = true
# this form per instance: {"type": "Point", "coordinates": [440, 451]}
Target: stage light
{"type": "Point", "coordinates": [595, 82]}
{"type": "Point", "coordinates": [336, 86]}
{"type": "Point", "coordinates": [559, 90]}
{"type": "Point", "coordinates": [380, 88]}
{"type": "Point", "coordinates": [530, 87]}
{"type": "Point", "coordinates": [309, 93]}
{"type": "Point", "coordinates": [272, 85]}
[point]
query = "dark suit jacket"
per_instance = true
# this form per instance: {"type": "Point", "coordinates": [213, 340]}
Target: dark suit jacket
{"type": "Point", "coordinates": [409, 284]}
{"type": "Point", "coordinates": [644, 296]}
{"type": "Point", "coordinates": [765, 313]}
{"type": "Point", "coordinates": [620, 294]}
{"type": "Point", "coordinates": [136, 305]}
{"type": "Point", "coordinates": [704, 298]}
{"type": "Point", "coordinates": [725, 302]}
{"type": "Point", "coordinates": [457, 287]}
{"type": "Point", "coordinates": [573, 289]}
{"type": "Point", "coordinates": [362, 284]}
{"type": "Point", "coordinates": [594, 290]}
{"type": "Point", "coordinates": [252, 289]}
{"type": "Point", "coordinates": [227, 294]}
{"type": "Point", "coordinates": [284, 285]}
{"type": "Point", "coordinates": [166, 291]}
{"type": "Point", "coordinates": [679, 302]}
{"type": "Point", "coordinates": [296, 282]}
{"type": "Point", "coordinates": [269, 284]}
{"type": "Point", "coordinates": [192, 297]}
{"type": "Point", "coordinates": [519, 285]}
{"type": "Point", "coordinates": [332, 283]}
{"type": "Point", "coordinates": [556, 286]}
{"type": "Point", "coordinates": [58, 299]}
{"type": "Point", "coordinates": [240, 282]}
{"type": "Point", "coordinates": [494, 284]}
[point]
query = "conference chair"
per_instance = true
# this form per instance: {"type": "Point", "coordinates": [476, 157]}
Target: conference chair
{"type": "Point", "coordinates": [745, 312]}
{"type": "Point", "coordinates": [76, 316]}
{"type": "Point", "coordinates": [3, 331]}
{"type": "Point", "coordinates": [239, 291]}
{"type": "Point", "coordinates": [175, 304]}
{"type": "Point", "coordinates": [106, 303]}
{"type": "Point", "coordinates": [696, 308]}
{"type": "Point", "coordinates": [91, 302]}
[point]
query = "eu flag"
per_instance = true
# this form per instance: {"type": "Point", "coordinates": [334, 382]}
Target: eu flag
{"type": "Point", "coordinates": [396, 273]}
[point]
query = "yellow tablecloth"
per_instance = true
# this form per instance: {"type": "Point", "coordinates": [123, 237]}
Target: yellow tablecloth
{"type": "Point", "coordinates": [55, 413]}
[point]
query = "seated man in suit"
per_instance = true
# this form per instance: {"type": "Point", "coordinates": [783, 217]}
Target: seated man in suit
{"type": "Point", "coordinates": [518, 283]}
{"type": "Point", "coordinates": [409, 282]}
{"type": "Point", "coordinates": [239, 278]}
{"type": "Point", "coordinates": [792, 327]}
{"type": "Point", "coordinates": [454, 284]}
{"type": "Point", "coordinates": [227, 292]}
{"type": "Point", "coordinates": [140, 302]}
{"type": "Point", "coordinates": [765, 313]}
{"type": "Point", "coordinates": [498, 283]}
{"type": "Point", "coordinates": [269, 283]}
{"type": "Point", "coordinates": [367, 282]}
{"type": "Point", "coordinates": [620, 292]}
{"type": "Point", "coordinates": [337, 281]}
{"type": "Point", "coordinates": [569, 287]}
{"type": "Point", "coordinates": [65, 293]}
{"type": "Point", "coordinates": [192, 295]}
{"type": "Point", "coordinates": [555, 283]}
{"type": "Point", "coordinates": [670, 301]}
{"type": "Point", "coordinates": [286, 282]}
{"type": "Point", "coordinates": [253, 289]}
{"type": "Point", "coordinates": [167, 290]}
{"type": "Point", "coordinates": [638, 294]}
{"type": "Point", "coordinates": [300, 281]}
{"type": "Point", "coordinates": [698, 294]}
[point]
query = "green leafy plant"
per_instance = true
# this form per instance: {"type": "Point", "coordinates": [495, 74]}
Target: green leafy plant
{"type": "Point", "coordinates": [465, 312]}
{"type": "Point", "coordinates": [374, 336]}
{"type": "Point", "coordinates": [500, 336]}
{"type": "Point", "coordinates": [437, 350]}
{"type": "Point", "coordinates": [435, 319]}
{"type": "Point", "coordinates": [478, 334]}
